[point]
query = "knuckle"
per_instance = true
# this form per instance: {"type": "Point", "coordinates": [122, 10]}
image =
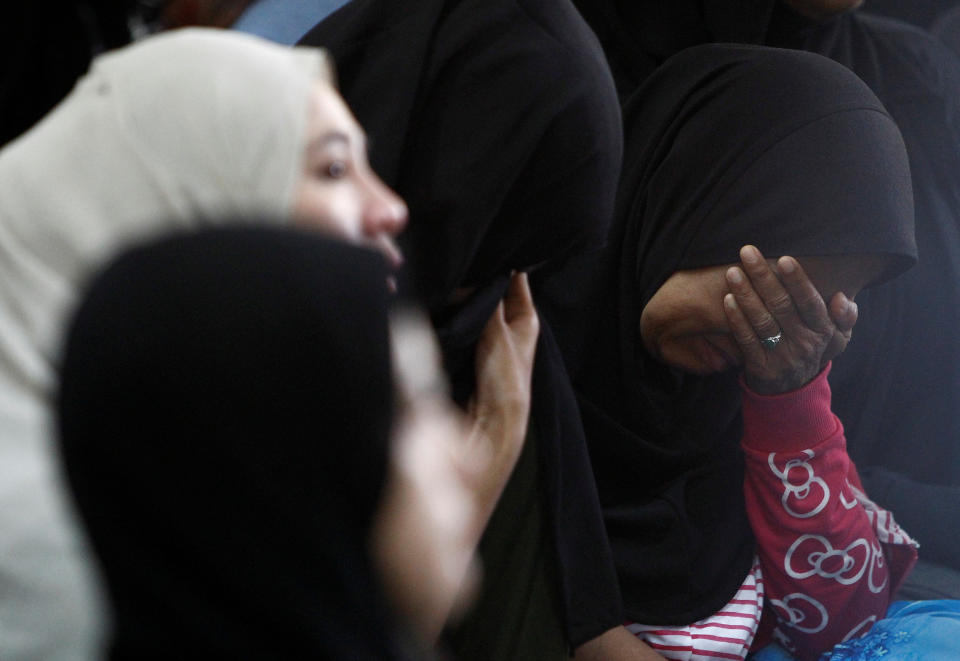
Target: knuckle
{"type": "Point", "coordinates": [811, 348]}
{"type": "Point", "coordinates": [764, 277]}
{"type": "Point", "coordinates": [816, 316]}
{"type": "Point", "coordinates": [767, 326]}
{"type": "Point", "coordinates": [809, 300]}
{"type": "Point", "coordinates": [780, 303]}
{"type": "Point", "coordinates": [742, 335]}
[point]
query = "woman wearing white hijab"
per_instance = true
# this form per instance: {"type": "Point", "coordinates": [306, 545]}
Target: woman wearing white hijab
{"type": "Point", "coordinates": [174, 132]}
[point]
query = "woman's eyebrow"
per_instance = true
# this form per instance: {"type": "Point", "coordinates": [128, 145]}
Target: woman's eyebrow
{"type": "Point", "coordinates": [336, 137]}
{"type": "Point", "coordinates": [330, 138]}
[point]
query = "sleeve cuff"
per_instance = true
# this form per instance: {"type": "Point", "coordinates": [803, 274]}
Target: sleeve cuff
{"type": "Point", "coordinates": [794, 420]}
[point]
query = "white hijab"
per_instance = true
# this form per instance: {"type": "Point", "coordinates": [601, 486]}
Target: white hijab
{"type": "Point", "coordinates": [179, 130]}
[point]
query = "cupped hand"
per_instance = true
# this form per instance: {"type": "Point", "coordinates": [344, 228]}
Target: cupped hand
{"type": "Point", "coordinates": [500, 407]}
{"type": "Point", "coordinates": [781, 324]}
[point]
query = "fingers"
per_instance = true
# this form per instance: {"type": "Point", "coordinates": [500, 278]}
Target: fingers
{"type": "Point", "coordinates": [843, 312]}
{"type": "Point", "coordinates": [751, 307]}
{"type": "Point", "coordinates": [771, 292]}
{"type": "Point", "coordinates": [496, 327]}
{"type": "Point", "coordinates": [763, 303]}
{"type": "Point", "coordinates": [505, 353]}
{"type": "Point", "coordinates": [519, 300]}
{"type": "Point", "coordinates": [791, 311]}
{"type": "Point", "coordinates": [805, 296]}
{"type": "Point", "coordinates": [500, 407]}
{"type": "Point", "coordinates": [514, 320]}
{"type": "Point", "coordinates": [743, 330]}
{"type": "Point", "coordinates": [520, 314]}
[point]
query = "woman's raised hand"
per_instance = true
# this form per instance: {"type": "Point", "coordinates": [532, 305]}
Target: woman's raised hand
{"type": "Point", "coordinates": [500, 407]}
{"type": "Point", "coordinates": [781, 324]}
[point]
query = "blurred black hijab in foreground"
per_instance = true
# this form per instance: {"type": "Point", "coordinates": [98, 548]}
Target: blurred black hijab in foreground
{"type": "Point", "coordinates": [225, 414]}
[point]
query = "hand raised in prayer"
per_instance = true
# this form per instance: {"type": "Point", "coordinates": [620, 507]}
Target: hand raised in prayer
{"type": "Point", "coordinates": [500, 407]}
{"type": "Point", "coordinates": [781, 324]}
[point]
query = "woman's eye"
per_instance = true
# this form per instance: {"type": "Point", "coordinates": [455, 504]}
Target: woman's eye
{"type": "Point", "coordinates": [335, 170]}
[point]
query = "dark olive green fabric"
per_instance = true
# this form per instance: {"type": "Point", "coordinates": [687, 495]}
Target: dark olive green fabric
{"type": "Point", "coordinates": [517, 615]}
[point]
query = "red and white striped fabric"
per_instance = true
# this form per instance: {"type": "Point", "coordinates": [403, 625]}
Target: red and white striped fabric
{"type": "Point", "coordinates": [888, 531]}
{"type": "Point", "coordinates": [726, 634]}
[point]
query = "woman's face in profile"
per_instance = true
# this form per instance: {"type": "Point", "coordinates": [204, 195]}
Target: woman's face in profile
{"type": "Point", "coordinates": [422, 540]}
{"type": "Point", "coordinates": [338, 192]}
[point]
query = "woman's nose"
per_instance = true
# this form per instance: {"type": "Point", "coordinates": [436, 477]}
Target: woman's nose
{"type": "Point", "coordinates": [386, 213]}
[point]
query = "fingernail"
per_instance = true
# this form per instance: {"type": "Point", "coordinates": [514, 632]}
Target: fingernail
{"type": "Point", "coordinates": [851, 306]}
{"type": "Point", "coordinates": [734, 275]}
{"type": "Point", "coordinates": [750, 255]}
{"type": "Point", "coordinates": [786, 265]}
{"type": "Point", "coordinates": [730, 301]}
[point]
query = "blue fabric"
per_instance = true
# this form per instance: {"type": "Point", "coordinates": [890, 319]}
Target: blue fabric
{"type": "Point", "coordinates": [772, 652]}
{"type": "Point", "coordinates": [285, 21]}
{"type": "Point", "coordinates": [911, 631]}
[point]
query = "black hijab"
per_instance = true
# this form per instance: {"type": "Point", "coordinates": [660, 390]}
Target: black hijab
{"type": "Point", "coordinates": [497, 122]}
{"type": "Point", "coordinates": [725, 145]}
{"type": "Point", "coordinates": [922, 13]}
{"type": "Point", "coordinates": [494, 120]}
{"type": "Point", "coordinates": [905, 346]}
{"type": "Point", "coordinates": [902, 431]}
{"type": "Point", "coordinates": [639, 35]}
{"type": "Point", "coordinates": [225, 414]}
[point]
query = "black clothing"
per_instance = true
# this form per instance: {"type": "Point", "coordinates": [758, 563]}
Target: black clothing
{"type": "Point", "coordinates": [725, 145]}
{"type": "Point", "coordinates": [47, 46]}
{"type": "Point", "coordinates": [921, 13]}
{"type": "Point", "coordinates": [639, 35]}
{"type": "Point", "coordinates": [497, 122]}
{"type": "Point", "coordinates": [904, 346]}
{"type": "Point", "coordinates": [947, 29]}
{"type": "Point", "coordinates": [493, 120]}
{"type": "Point", "coordinates": [517, 616]}
{"type": "Point", "coordinates": [225, 416]}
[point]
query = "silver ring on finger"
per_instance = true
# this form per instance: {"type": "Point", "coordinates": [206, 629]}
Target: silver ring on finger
{"type": "Point", "coordinates": [772, 341]}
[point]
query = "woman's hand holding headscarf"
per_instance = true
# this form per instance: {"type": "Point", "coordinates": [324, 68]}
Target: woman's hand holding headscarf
{"type": "Point", "coordinates": [500, 407]}
{"type": "Point", "coordinates": [781, 324]}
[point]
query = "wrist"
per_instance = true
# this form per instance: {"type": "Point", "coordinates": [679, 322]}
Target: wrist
{"type": "Point", "coordinates": [783, 384]}
{"type": "Point", "coordinates": [793, 420]}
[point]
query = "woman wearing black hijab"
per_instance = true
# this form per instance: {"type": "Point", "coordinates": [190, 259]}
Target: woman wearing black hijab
{"type": "Point", "coordinates": [902, 429]}
{"type": "Point", "coordinates": [707, 169]}
{"type": "Point", "coordinates": [497, 122]}
{"type": "Point", "coordinates": [229, 431]}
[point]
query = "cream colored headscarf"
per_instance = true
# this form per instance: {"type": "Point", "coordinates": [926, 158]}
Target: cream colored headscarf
{"type": "Point", "coordinates": [179, 130]}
